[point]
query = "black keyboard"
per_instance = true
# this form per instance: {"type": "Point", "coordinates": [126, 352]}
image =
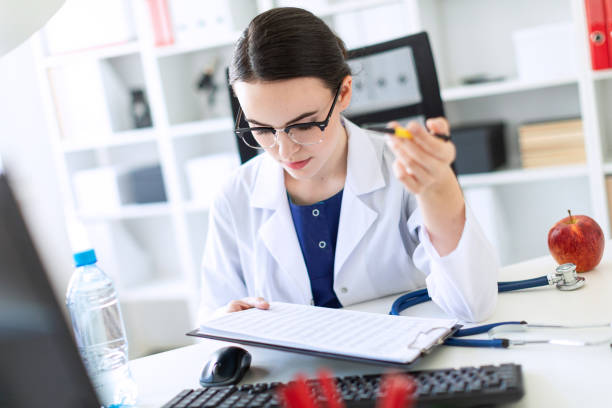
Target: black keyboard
{"type": "Point", "coordinates": [461, 387]}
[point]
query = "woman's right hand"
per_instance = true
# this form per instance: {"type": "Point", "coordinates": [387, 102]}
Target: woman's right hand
{"type": "Point", "coordinates": [243, 304]}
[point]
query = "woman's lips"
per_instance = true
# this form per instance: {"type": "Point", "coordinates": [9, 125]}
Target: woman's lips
{"type": "Point", "coordinates": [298, 165]}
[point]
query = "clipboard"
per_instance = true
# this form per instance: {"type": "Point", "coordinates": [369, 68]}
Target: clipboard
{"type": "Point", "coordinates": [311, 349]}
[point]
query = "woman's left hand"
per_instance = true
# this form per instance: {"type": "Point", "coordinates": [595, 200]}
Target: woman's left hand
{"type": "Point", "coordinates": [423, 162]}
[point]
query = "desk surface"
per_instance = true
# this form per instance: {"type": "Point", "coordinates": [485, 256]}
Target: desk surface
{"type": "Point", "coordinates": [559, 376]}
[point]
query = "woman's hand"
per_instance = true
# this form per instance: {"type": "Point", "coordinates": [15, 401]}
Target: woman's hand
{"type": "Point", "coordinates": [423, 162]}
{"type": "Point", "coordinates": [243, 304]}
{"type": "Point", "coordinates": [422, 165]}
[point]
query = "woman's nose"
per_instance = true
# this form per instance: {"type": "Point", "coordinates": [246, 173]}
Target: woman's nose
{"type": "Point", "coordinates": [286, 146]}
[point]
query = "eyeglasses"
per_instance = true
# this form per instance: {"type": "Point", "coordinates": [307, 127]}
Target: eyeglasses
{"type": "Point", "coordinates": [308, 133]}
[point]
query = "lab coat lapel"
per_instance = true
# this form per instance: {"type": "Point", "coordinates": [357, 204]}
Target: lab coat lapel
{"type": "Point", "coordinates": [278, 232]}
{"type": "Point", "coordinates": [363, 176]}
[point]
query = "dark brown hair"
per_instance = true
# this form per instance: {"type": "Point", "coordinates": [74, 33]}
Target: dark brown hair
{"type": "Point", "coordinates": [285, 43]}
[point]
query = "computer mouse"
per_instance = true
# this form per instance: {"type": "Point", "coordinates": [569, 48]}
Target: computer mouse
{"type": "Point", "coordinates": [225, 366]}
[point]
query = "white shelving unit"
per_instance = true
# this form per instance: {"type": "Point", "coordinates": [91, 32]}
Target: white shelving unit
{"type": "Point", "coordinates": [516, 206]}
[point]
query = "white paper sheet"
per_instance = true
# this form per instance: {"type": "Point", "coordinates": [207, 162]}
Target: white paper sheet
{"type": "Point", "coordinates": [375, 336]}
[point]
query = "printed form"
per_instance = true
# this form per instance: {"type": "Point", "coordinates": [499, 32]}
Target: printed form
{"type": "Point", "coordinates": [398, 339]}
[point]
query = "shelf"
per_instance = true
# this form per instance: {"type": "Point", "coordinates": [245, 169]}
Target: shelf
{"type": "Point", "coordinates": [500, 88]}
{"type": "Point", "coordinates": [221, 40]}
{"type": "Point", "coordinates": [124, 138]}
{"type": "Point", "coordinates": [129, 211]}
{"type": "Point", "coordinates": [512, 176]}
{"type": "Point", "coordinates": [602, 74]}
{"type": "Point", "coordinates": [351, 6]}
{"type": "Point", "coordinates": [202, 127]}
{"type": "Point", "coordinates": [109, 51]}
{"type": "Point", "coordinates": [163, 290]}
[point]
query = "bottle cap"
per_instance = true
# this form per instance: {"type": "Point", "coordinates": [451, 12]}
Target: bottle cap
{"type": "Point", "coordinates": [85, 258]}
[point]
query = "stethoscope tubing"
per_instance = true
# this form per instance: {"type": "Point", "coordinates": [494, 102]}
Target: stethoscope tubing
{"type": "Point", "coordinates": [524, 284]}
{"type": "Point", "coordinates": [495, 343]}
{"type": "Point", "coordinates": [422, 296]}
{"type": "Point", "coordinates": [483, 329]}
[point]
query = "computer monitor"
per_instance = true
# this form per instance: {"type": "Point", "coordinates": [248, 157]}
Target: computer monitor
{"type": "Point", "coordinates": [39, 362]}
{"type": "Point", "coordinates": [393, 80]}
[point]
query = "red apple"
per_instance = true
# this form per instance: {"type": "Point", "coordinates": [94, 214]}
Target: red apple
{"type": "Point", "coordinates": [577, 239]}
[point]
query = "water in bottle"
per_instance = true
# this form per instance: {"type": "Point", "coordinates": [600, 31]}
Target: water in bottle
{"type": "Point", "coordinates": [99, 332]}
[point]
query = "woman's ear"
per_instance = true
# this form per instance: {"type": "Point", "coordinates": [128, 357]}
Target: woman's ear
{"type": "Point", "coordinates": [346, 91]}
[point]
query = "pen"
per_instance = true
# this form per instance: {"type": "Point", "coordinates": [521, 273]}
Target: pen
{"type": "Point", "coordinates": [402, 132]}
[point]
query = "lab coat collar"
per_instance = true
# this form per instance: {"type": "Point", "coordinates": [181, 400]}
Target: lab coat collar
{"type": "Point", "coordinates": [278, 232]}
{"type": "Point", "coordinates": [269, 187]}
{"type": "Point", "coordinates": [364, 175]}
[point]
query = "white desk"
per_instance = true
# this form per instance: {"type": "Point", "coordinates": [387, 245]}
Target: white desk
{"type": "Point", "coordinates": [554, 376]}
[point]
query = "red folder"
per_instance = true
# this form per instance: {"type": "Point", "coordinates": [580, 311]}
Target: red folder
{"type": "Point", "coordinates": [596, 27]}
{"type": "Point", "coordinates": [608, 11]}
{"type": "Point", "coordinates": [161, 22]}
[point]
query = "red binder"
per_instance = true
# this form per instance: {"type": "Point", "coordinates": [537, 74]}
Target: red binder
{"type": "Point", "coordinates": [598, 40]}
{"type": "Point", "coordinates": [161, 22]}
{"type": "Point", "coordinates": [608, 11]}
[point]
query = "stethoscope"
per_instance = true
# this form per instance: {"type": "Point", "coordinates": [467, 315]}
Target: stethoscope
{"type": "Point", "coordinates": [565, 278]}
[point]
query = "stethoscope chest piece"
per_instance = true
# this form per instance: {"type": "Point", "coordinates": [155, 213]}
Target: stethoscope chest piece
{"type": "Point", "coordinates": [566, 277]}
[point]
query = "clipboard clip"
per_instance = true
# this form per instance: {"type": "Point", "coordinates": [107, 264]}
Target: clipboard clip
{"type": "Point", "coordinates": [424, 333]}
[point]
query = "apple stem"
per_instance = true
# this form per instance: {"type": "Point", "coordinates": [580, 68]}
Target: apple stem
{"type": "Point", "coordinates": [570, 217]}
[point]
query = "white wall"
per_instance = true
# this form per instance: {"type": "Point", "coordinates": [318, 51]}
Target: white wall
{"type": "Point", "coordinates": [25, 148]}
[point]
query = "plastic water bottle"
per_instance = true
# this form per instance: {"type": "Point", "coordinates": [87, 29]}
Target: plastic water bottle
{"type": "Point", "coordinates": [99, 331]}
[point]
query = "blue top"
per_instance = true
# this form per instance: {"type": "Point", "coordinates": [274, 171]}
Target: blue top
{"type": "Point", "coordinates": [316, 226]}
{"type": "Point", "coordinates": [85, 258]}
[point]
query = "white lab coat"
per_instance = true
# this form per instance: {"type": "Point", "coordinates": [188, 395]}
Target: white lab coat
{"type": "Point", "coordinates": [382, 247]}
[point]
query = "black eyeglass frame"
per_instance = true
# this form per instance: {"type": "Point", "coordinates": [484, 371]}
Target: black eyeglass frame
{"type": "Point", "coordinates": [241, 132]}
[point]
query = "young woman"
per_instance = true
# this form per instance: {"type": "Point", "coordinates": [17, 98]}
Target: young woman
{"type": "Point", "coordinates": [330, 214]}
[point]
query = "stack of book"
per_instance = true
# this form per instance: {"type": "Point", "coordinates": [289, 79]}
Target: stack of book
{"type": "Point", "coordinates": [609, 194]}
{"type": "Point", "coordinates": [552, 143]}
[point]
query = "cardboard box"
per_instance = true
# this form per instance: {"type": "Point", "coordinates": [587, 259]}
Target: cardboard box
{"type": "Point", "coordinates": [195, 21]}
{"type": "Point", "coordinates": [545, 52]}
{"type": "Point", "coordinates": [87, 24]}
{"type": "Point", "coordinates": [609, 194]}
